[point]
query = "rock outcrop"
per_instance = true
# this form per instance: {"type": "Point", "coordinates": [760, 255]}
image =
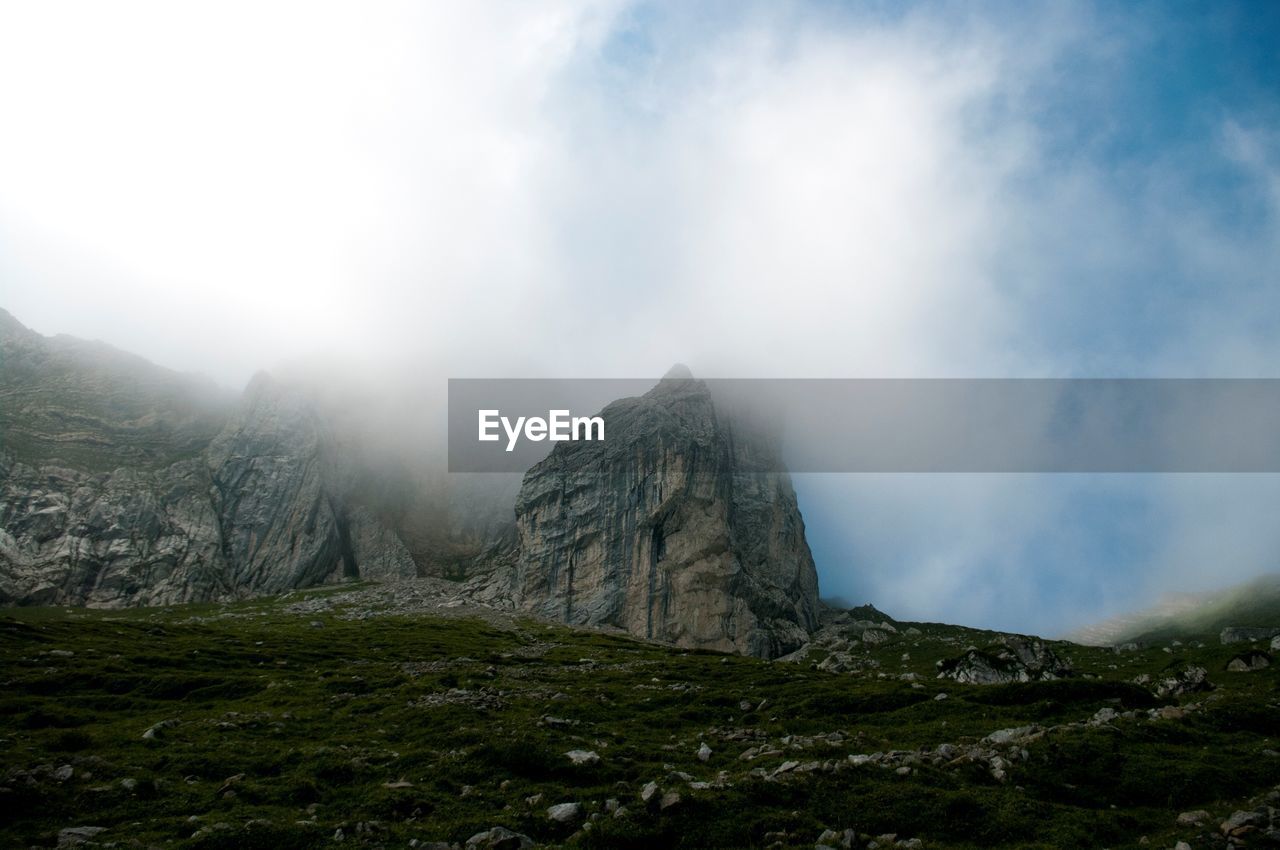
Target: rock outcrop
{"type": "Point", "coordinates": [671, 529]}
{"type": "Point", "coordinates": [1243, 634]}
{"type": "Point", "coordinates": [1014, 659]}
{"type": "Point", "coordinates": [122, 483]}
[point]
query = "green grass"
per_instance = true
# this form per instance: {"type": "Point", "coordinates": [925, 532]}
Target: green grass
{"type": "Point", "coordinates": [360, 722]}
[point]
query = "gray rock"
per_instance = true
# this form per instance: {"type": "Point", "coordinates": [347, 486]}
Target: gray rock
{"type": "Point", "coordinates": [1015, 659]}
{"type": "Point", "coordinates": [1104, 715]}
{"type": "Point", "coordinates": [73, 835]}
{"type": "Point", "coordinates": [1194, 818]}
{"type": "Point", "coordinates": [583, 758]}
{"type": "Point", "coordinates": [1247, 662]}
{"type": "Point", "coordinates": [565, 812]}
{"type": "Point", "coordinates": [1013, 735]}
{"type": "Point", "coordinates": [157, 729]}
{"type": "Point", "coordinates": [63, 773]}
{"type": "Point", "coordinates": [704, 752]}
{"type": "Point", "coordinates": [1191, 679]}
{"type": "Point", "coordinates": [1242, 823]}
{"type": "Point", "coordinates": [669, 530]}
{"type": "Point", "coordinates": [1240, 634]}
{"type": "Point", "coordinates": [499, 838]}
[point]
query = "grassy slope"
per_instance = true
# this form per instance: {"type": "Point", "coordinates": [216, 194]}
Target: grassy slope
{"type": "Point", "coordinates": [1256, 603]}
{"type": "Point", "coordinates": [320, 720]}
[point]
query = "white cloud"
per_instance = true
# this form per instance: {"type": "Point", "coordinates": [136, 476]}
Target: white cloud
{"type": "Point", "coordinates": [589, 189]}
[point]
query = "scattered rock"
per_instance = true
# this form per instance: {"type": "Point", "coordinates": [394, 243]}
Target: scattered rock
{"type": "Point", "coordinates": [1018, 659]}
{"type": "Point", "coordinates": [1190, 680]}
{"type": "Point", "coordinates": [1196, 818]}
{"type": "Point", "coordinates": [704, 752]}
{"type": "Point", "coordinates": [1247, 662]}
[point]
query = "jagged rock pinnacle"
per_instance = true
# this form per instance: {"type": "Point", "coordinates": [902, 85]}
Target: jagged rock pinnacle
{"type": "Point", "coordinates": [678, 372]}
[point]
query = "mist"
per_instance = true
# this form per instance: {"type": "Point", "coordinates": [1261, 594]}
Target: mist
{"type": "Point", "coordinates": [375, 200]}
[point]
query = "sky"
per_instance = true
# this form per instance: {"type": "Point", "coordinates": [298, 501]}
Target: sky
{"type": "Point", "coordinates": [755, 189]}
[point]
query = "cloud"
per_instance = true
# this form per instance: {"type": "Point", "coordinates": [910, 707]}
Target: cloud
{"type": "Point", "coordinates": [601, 189]}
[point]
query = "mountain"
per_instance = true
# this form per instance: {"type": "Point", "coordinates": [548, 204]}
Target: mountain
{"type": "Point", "coordinates": [123, 484]}
{"type": "Point", "coordinates": [673, 529]}
{"type": "Point", "coordinates": [1254, 604]}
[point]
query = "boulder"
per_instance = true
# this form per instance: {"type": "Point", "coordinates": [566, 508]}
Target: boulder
{"type": "Point", "coordinates": [1014, 659]}
{"type": "Point", "coordinates": [499, 838]}
{"type": "Point", "coordinates": [583, 758]}
{"type": "Point", "coordinates": [565, 812]}
{"type": "Point", "coordinates": [1247, 662]}
{"type": "Point", "coordinates": [1191, 679]}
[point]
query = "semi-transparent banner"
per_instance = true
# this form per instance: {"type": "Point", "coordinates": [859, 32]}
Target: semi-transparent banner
{"type": "Point", "coordinates": [889, 425]}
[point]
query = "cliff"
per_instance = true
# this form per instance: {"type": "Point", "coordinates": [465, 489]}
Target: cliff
{"type": "Point", "coordinates": [668, 529]}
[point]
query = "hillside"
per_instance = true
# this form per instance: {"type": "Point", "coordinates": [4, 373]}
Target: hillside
{"type": "Point", "coordinates": [1186, 616]}
{"type": "Point", "coordinates": [89, 406]}
{"type": "Point", "coordinates": [379, 716]}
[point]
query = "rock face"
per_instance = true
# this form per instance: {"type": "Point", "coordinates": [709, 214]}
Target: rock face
{"type": "Point", "coordinates": [281, 525]}
{"type": "Point", "coordinates": [122, 483]}
{"type": "Point", "coordinates": [668, 529]}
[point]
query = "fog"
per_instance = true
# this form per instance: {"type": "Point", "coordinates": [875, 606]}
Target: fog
{"type": "Point", "coordinates": [388, 196]}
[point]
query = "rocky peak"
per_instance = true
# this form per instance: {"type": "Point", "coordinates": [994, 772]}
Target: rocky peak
{"type": "Point", "coordinates": [12, 329]}
{"type": "Point", "coordinates": [670, 529]}
{"type": "Point", "coordinates": [678, 372]}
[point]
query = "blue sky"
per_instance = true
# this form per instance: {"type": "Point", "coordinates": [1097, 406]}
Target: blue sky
{"type": "Point", "coordinates": [600, 189]}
